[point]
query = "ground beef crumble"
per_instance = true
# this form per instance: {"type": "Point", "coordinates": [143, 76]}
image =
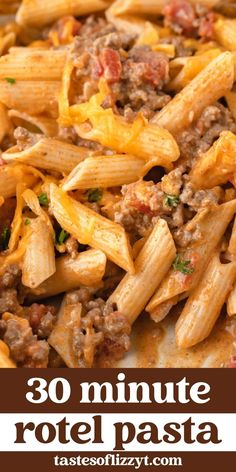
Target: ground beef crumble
{"type": "Point", "coordinates": [25, 349]}
{"type": "Point", "coordinates": [200, 137]}
{"type": "Point", "coordinates": [103, 330]}
{"type": "Point", "coordinates": [136, 74]}
{"type": "Point", "coordinates": [41, 319]}
{"type": "Point", "coordinates": [142, 203]}
{"type": "Point", "coordinates": [9, 282]}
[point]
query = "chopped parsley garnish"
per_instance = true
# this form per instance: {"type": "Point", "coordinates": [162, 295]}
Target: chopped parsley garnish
{"type": "Point", "coordinates": [27, 221]}
{"type": "Point", "coordinates": [62, 236]}
{"type": "Point", "coordinates": [182, 266]}
{"type": "Point", "coordinates": [10, 80]}
{"type": "Point", "coordinates": [171, 200]}
{"type": "Point", "coordinates": [43, 199]}
{"type": "Point", "coordinates": [5, 236]}
{"type": "Point", "coordinates": [94, 195]}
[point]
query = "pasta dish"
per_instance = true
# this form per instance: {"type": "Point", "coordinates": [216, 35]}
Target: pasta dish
{"type": "Point", "coordinates": [117, 183]}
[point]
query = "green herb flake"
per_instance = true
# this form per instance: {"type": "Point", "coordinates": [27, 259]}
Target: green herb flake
{"type": "Point", "coordinates": [62, 237]}
{"type": "Point", "coordinates": [182, 266]}
{"type": "Point", "coordinates": [27, 221]}
{"type": "Point", "coordinates": [5, 236]}
{"type": "Point", "coordinates": [94, 195]}
{"type": "Point", "coordinates": [171, 200]}
{"type": "Point", "coordinates": [10, 80]}
{"type": "Point", "coordinates": [43, 199]}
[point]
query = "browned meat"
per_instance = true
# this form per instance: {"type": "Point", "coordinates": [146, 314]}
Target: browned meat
{"type": "Point", "coordinates": [145, 65]}
{"type": "Point", "coordinates": [9, 301]}
{"type": "Point", "coordinates": [144, 73]}
{"type": "Point", "coordinates": [24, 347]}
{"type": "Point", "coordinates": [102, 329]}
{"type": "Point", "coordinates": [72, 245]}
{"type": "Point", "coordinates": [141, 205]}
{"type": "Point", "coordinates": [41, 319]}
{"type": "Point", "coordinates": [67, 134]}
{"type": "Point", "coordinates": [184, 18]}
{"type": "Point", "coordinates": [24, 138]}
{"type": "Point", "coordinates": [136, 74]}
{"type": "Point", "coordinates": [197, 139]}
{"type": "Point", "coordinates": [11, 277]}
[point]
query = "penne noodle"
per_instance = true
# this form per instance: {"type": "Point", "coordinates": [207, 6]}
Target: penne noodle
{"type": "Point", "coordinates": [38, 13]}
{"type": "Point", "coordinates": [42, 124]}
{"type": "Point", "coordinates": [18, 218]}
{"type": "Point", "coordinates": [10, 176]}
{"type": "Point", "coordinates": [39, 258]}
{"type": "Point", "coordinates": [210, 84]}
{"type": "Point", "coordinates": [32, 201]}
{"type": "Point", "coordinates": [204, 304]}
{"type": "Point", "coordinates": [231, 302]}
{"type": "Point", "coordinates": [104, 171]}
{"type": "Point", "coordinates": [232, 243]}
{"type": "Point", "coordinates": [39, 65]}
{"type": "Point", "coordinates": [151, 265]}
{"type": "Point", "coordinates": [5, 361]}
{"type": "Point", "coordinates": [217, 165]}
{"type": "Point", "coordinates": [231, 102]}
{"type": "Point", "coordinates": [48, 154]}
{"type": "Point", "coordinates": [190, 68]}
{"type": "Point", "coordinates": [90, 228]}
{"type": "Point", "coordinates": [231, 253]}
{"type": "Point", "coordinates": [5, 123]}
{"type": "Point", "coordinates": [6, 42]}
{"type": "Point", "coordinates": [212, 226]}
{"type": "Point", "coordinates": [225, 33]}
{"type": "Point", "coordinates": [31, 96]}
{"type": "Point", "coordinates": [88, 268]}
{"type": "Point", "coordinates": [61, 337]}
{"type": "Point", "coordinates": [147, 7]}
{"type": "Point", "coordinates": [162, 310]}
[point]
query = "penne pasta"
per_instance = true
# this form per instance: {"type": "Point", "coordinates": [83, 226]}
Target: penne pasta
{"type": "Point", "coordinates": [42, 124]}
{"type": "Point", "coordinates": [10, 176]}
{"type": "Point", "coordinates": [87, 269]}
{"type": "Point", "coordinates": [147, 7]}
{"type": "Point", "coordinates": [6, 42]}
{"type": "Point", "coordinates": [210, 84]}
{"type": "Point", "coordinates": [61, 338]}
{"type": "Point", "coordinates": [151, 265]}
{"type": "Point", "coordinates": [48, 154]}
{"type": "Point", "coordinates": [190, 68]}
{"type": "Point", "coordinates": [31, 96]}
{"type": "Point", "coordinates": [90, 228]}
{"type": "Point", "coordinates": [212, 226]}
{"type": "Point", "coordinates": [5, 123]}
{"type": "Point", "coordinates": [18, 218]}
{"type": "Point", "coordinates": [204, 304]}
{"type": "Point", "coordinates": [217, 165]}
{"type": "Point", "coordinates": [5, 361]}
{"type": "Point", "coordinates": [104, 171]}
{"type": "Point", "coordinates": [225, 33]}
{"type": "Point", "coordinates": [231, 302]}
{"type": "Point", "coordinates": [38, 65]}
{"type": "Point", "coordinates": [39, 258]}
{"type": "Point", "coordinates": [231, 101]}
{"type": "Point", "coordinates": [38, 13]}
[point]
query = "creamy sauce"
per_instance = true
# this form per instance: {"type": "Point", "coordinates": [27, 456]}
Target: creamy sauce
{"type": "Point", "coordinates": [153, 345]}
